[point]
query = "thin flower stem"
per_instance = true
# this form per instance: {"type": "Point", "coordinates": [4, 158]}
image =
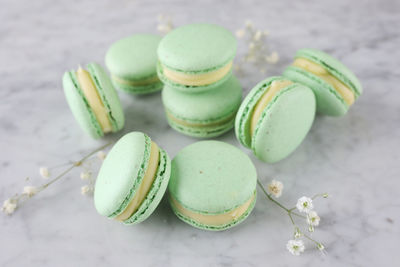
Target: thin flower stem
{"type": "Point", "coordinates": [289, 211]}
{"type": "Point", "coordinates": [319, 195]}
{"type": "Point", "coordinates": [311, 239]}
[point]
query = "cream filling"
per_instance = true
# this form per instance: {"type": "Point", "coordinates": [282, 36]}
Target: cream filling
{"type": "Point", "coordinates": [314, 68]}
{"type": "Point", "coordinates": [142, 82]}
{"type": "Point", "coordinates": [144, 186]}
{"type": "Point", "coordinates": [92, 96]}
{"type": "Point", "coordinates": [199, 125]}
{"type": "Point", "coordinates": [262, 103]}
{"type": "Point", "coordinates": [213, 220]}
{"type": "Point", "coordinates": [197, 79]}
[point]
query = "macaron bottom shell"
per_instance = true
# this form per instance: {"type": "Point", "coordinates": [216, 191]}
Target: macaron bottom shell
{"type": "Point", "coordinates": [203, 131]}
{"type": "Point", "coordinates": [328, 100]}
{"type": "Point", "coordinates": [221, 227]}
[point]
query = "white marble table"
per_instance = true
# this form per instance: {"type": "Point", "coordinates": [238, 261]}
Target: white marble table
{"type": "Point", "coordinates": [355, 158]}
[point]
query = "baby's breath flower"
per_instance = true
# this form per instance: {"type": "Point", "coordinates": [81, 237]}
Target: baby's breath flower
{"type": "Point", "coordinates": [240, 33]}
{"type": "Point", "coordinates": [30, 191]}
{"type": "Point", "coordinates": [257, 35]}
{"type": "Point", "coordinates": [311, 228]}
{"type": "Point", "coordinates": [313, 218]}
{"type": "Point", "coordinates": [325, 195]}
{"type": "Point", "coordinates": [44, 172]}
{"type": "Point", "coordinates": [275, 188]}
{"type": "Point", "coordinates": [304, 204]}
{"type": "Point", "coordinates": [101, 155]}
{"type": "Point", "coordinates": [272, 58]}
{"type": "Point", "coordinates": [86, 189]}
{"type": "Point", "coordinates": [9, 206]}
{"type": "Point", "coordinates": [297, 232]}
{"type": "Point", "coordinates": [296, 247]}
{"type": "Point", "coordinates": [320, 247]}
{"type": "Point", "coordinates": [249, 24]}
{"type": "Point", "coordinates": [86, 175]}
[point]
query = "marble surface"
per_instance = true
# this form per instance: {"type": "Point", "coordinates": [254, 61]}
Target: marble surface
{"type": "Point", "coordinates": [355, 158]}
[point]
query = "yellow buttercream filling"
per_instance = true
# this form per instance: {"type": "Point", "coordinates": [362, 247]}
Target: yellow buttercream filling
{"type": "Point", "coordinates": [262, 103]}
{"type": "Point", "coordinates": [142, 82]}
{"type": "Point", "coordinates": [314, 68]}
{"type": "Point", "coordinates": [196, 79]}
{"type": "Point", "coordinates": [213, 220]}
{"type": "Point", "coordinates": [92, 96]}
{"type": "Point", "coordinates": [198, 125]}
{"type": "Point", "coordinates": [145, 185]}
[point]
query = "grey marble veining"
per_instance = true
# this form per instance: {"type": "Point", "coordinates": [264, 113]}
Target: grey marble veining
{"type": "Point", "coordinates": [355, 158]}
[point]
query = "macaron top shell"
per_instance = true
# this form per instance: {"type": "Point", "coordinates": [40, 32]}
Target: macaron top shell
{"type": "Point", "coordinates": [133, 57]}
{"type": "Point", "coordinates": [121, 173]}
{"type": "Point", "coordinates": [333, 66]}
{"type": "Point", "coordinates": [204, 107]}
{"type": "Point", "coordinates": [284, 124]}
{"type": "Point", "coordinates": [80, 106]}
{"type": "Point", "coordinates": [197, 48]}
{"type": "Point", "coordinates": [212, 177]}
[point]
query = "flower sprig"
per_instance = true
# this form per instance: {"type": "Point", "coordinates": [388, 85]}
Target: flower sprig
{"type": "Point", "coordinates": [11, 204]}
{"type": "Point", "coordinates": [304, 205]}
{"type": "Point", "coordinates": [258, 51]}
{"type": "Point", "coordinates": [165, 24]}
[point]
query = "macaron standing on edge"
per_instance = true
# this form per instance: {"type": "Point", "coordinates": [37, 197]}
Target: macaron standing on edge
{"type": "Point", "coordinates": [212, 185]}
{"type": "Point", "coordinates": [274, 118]}
{"type": "Point", "coordinates": [196, 57]}
{"type": "Point", "coordinates": [335, 86]}
{"type": "Point", "coordinates": [205, 114]}
{"type": "Point", "coordinates": [132, 179]}
{"type": "Point", "coordinates": [93, 100]}
{"type": "Point", "coordinates": [132, 63]}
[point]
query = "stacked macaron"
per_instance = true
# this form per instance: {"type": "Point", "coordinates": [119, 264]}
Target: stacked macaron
{"type": "Point", "coordinates": [200, 96]}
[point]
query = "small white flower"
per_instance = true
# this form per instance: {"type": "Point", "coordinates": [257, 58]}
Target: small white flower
{"type": "Point", "coordinates": [304, 204]}
{"type": "Point", "coordinates": [86, 189]}
{"type": "Point", "coordinates": [44, 172]}
{"type": "Point", "coordinates": [101, 155]}
{"type": "Point", "coordinates": [257, 35]}
{"type": "Point", "coordinates": [240, 33]}
{"type": "Point", "coordinates": [86, 175]}
{"type": "Point", "coordinates": [320, 247]}
{"type": "Point", "coordinates": [297, 233]}
{"type": "Point", "coordinates": [249, 24]}
{"type": "Point", "coordinates": [313, 218]}
{"type": "Point", "coordinates": [30, 191]}
{"type": "Point", "coordinates": [295, 247]}
{"type": "Point", "coordinates": [272, 58]}
{"type": "Point", "coordinates": [9, 206]}
{"type": "Point", "coordinates": [311, 228]}
{"type": "Point", "coordinates": [275, 188]}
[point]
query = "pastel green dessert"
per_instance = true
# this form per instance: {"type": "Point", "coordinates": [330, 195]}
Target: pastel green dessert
{"type": "Point", "coordinates": [196, 57]}
{"type": "Point", "coordinates": [335, 86]}
{"type": "Point", "coordinates": [206, 114]}
{"type": "Point", "coordinates": [132, 62]}
{"type": "Point", "coordinates": [212, 186]}
{"type": "Point", "coordinates": [93, 100]}
{"type": "Point", "coordinates": [274, 118]}
{"type": "Point", "coordinates": [132, 179]}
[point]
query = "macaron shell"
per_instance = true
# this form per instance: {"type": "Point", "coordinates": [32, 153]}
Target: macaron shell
{"type": "Point", "coordinates": [121, 173]}
{"type": "Point", "coordinates": [334, 66]}
{"type": "Point", "coordinates": [80, 107]}
{"type": "Point", "coordinates": [197, 47]}
{"type": "Point", "coordinates": [212, 177]}
{"type": "Point", "coordinates": [189, 88]}
{"type": "Point", "coordinates": [329, 101]}
{"type": "Point", "coordinates": [133, 57]}
{"type": "Point", "coordinates": [156, 192]}
{"type": "Point", "coordinates": [284, 123]}
{"type": "Point", "coordinates": [108, 96]}
{"type": "Point", "coordinates": [243, 116]}
{"type": "Point", "coordinates": [213, 227]}
{"type": "Point", "coordinates": [139, 90]}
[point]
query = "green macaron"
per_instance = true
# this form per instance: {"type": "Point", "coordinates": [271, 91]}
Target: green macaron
{"type": "Point", "coordinates": [132, 179]}
{"type": "Point", "coordinates": [205, 114]}
{"type": "Point", "coordinates": [132, 63]}
{"type": "Point", "coordinates": [93, 100]}
{"type": "Point", "coordinates": [212, 185]}
{"type": "Point", "coordinates": [196, 57]}
{"type": "Point", "coordinates": [274, 118]}
{"type": "Point", "coordinates": [335, 86]}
